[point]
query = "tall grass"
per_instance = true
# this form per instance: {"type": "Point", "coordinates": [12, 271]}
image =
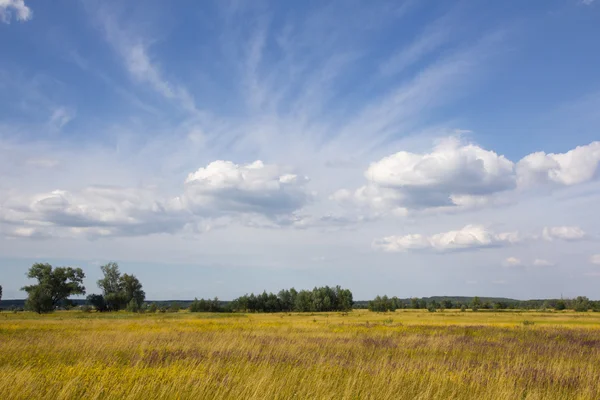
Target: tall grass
{"type": "Point", "coordinates": [357, 355]}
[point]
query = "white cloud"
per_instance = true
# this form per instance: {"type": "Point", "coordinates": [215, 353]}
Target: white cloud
{"type": "Point", "coordinates": [16, 7]}
{"type": "Point", "coordinates": [513, 262]}
{"type": "Point", "coordinates": [452, 175]}
{"type": "Point", "coordinates": [569, 233]}
{"type": "Point", "coordinates": [254, 194]}
{"type": "Point", "coordinates": [260, 188]}
{"type": "Point", "coordinates": [459, 176]}
{"type": "Point", "coordinates": [595, 259]}
{"type": "Point", "coordinates": [576, 166]}
{"type": "Point", "coordinates": [451, 168]}
{"type": "Point", "coordinates": [469, 237]}
{"type": "Point", "coordinates": [538, 262]}
{"type": "Point", "coordinates": [94, 211]}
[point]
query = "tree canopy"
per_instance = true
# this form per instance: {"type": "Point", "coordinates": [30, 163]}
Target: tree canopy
{"type": "Point", "coordinates": [54, 286]}
{"type": "Point", "coordinates": [118, 291]}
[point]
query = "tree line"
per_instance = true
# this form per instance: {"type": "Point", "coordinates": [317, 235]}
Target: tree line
{"type": "Point", "coordinates": [385, 303]}
{"type": "Point", "coordinates": [317, 300]}
{"type": "Point", "coordinates": [125, 292]}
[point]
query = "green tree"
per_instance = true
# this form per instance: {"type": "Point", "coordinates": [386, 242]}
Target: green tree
{"type": "Point", "coordinates": [39, 299]}
{"type": "Point", "coordinates": [120, 290]}
{"type": "Point", "coordinates": [414, 303]}
{"type": "Point", "coordinates": [581, 304]}
{"type": "Point", "coordinates": [132, 290]}
{"type": "Point", "coordinates": [54, 286]}
{"type": "Point", "coordinates": [476, 303]}
{"type": "Point", "coordinates": [133, 306]}
{"type": "Point", "coordinates": [0, 292]}
{"type": "Point", "coordinates": [560, 305]}
{"type": "Point", "coordinates": [97, 301]}
{"type": "Point", "coordinates": [111, 287]}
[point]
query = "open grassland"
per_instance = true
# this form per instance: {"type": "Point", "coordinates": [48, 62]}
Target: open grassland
{"type": "Point", "coordinates": [358, 355]}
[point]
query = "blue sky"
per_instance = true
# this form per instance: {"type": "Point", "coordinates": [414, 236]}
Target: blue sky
{"type": "Point", "coordinates": [217, 148]}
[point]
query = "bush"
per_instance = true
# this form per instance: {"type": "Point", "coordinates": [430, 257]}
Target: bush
{"type": "Point", "coordinates": [85, 308]}
{"type": "Point", "coordinates": [463, 308]}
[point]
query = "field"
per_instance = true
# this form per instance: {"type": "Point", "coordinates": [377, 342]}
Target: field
{"type": "Point", "coordinates": [358, 355]}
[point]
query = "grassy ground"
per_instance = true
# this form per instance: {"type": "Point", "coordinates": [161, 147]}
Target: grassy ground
{"type": "Point", "coordinates": [358, 355]}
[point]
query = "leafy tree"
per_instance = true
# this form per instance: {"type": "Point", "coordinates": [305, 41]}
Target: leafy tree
{"type": "Point", "coordinates": [39, 299]}
{"type": "Point", "coordinates": [463, 308]}
{"type": "Point", "coordinates": [414, 303]}
{"type": "Point", "coordinates": [97, 301]}
{"type": "Point", "coordinates": [174, 307]}
{"type": "Point", "coordinates": [0, 292]}
{"type": "Point", "coordinates": [120, 290]}
{"type": "Point", "coordinates": [111, 287]}
{"type": "Point", "coordinates": [581, 304]}
{"type": "Point", "coordinates": [132, 290]}
{"type": "Point", "coordinates": [153, 308]}
{"type": "Point", "coordinates": [476, 303]}
{"type": "Point", "coordinates": [560, 305]}
{"type": "Point", "coordinates": [54, 286]}
{"type": "Point", "coordinates": [133, 306]}
{"type": "Point", "coordinates": [447, 303]}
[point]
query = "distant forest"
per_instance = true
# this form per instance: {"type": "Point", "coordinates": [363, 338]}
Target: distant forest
{"type": "Point", "coordinates": [55, 286]}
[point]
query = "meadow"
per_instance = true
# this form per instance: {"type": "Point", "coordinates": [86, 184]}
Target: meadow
{"type": "Point", "coordinates": [407, 354]}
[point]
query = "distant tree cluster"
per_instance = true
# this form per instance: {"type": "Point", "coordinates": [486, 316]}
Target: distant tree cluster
{"type": "Point", "coordinates": [384, 303]}
{"type": "Point", "coordinates": [118, 291]}
{"type": "Point", "coordinates": [319, 299]}
{"type": "Point", "coordinates": [206, 305]}
{"type": "Point", "coordinates": [55, 285]}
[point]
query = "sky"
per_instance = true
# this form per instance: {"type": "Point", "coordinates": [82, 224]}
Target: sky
{"type": "Point", "coordinates": [219, 148]}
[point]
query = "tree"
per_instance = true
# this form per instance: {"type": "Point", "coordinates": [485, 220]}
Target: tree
{"type": "Point", "coordinates": [560, 305]}
{"type": "Point", "coordinates": [54, 286]}
{"type": "Point", "coordinates": [133, 306]}
{"type": "Point", "coordinates": [0, 292]}
{"type": "Point", "coordinates": [111, 287]}
{"type": "Point", "coordinates": [476, 303]}
{"type": "Point", "coordinates": [132, 289]}
{"type": "Point", "coordinates": [97, 301]}
{"type": "Point", "coordinates": [39, 299]}
{"type": "Point", "coordinates": [120, 290]}
{"type": "Point", "coordinates": [581, 304]}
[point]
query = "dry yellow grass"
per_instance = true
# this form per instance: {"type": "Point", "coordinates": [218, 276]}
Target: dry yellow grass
{"type": "Point", "coordinates": [359, 355]}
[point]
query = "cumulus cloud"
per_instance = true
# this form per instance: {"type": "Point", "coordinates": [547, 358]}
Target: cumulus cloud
{"type": "Point", "coordinates": [95, 211]}
{"type": "Point", "coordinates": [595, 259]}
{"type": "Point", "coordinates": [451, 169]}
{"type": "Point", "coordinates": [469, 237]}
{"type": "Point", "coordinates": [225, 187]}
{"type": "Point", "coordinates": [569, 233]}
{"type": "Point", "coordinates": [573, 167]}
{"type": "Point", "coordinates": [8, 8]}
{"type": "Point", "coordinates": [459, 176]}
{"type": "Point", "coordinates": [254, 194]}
